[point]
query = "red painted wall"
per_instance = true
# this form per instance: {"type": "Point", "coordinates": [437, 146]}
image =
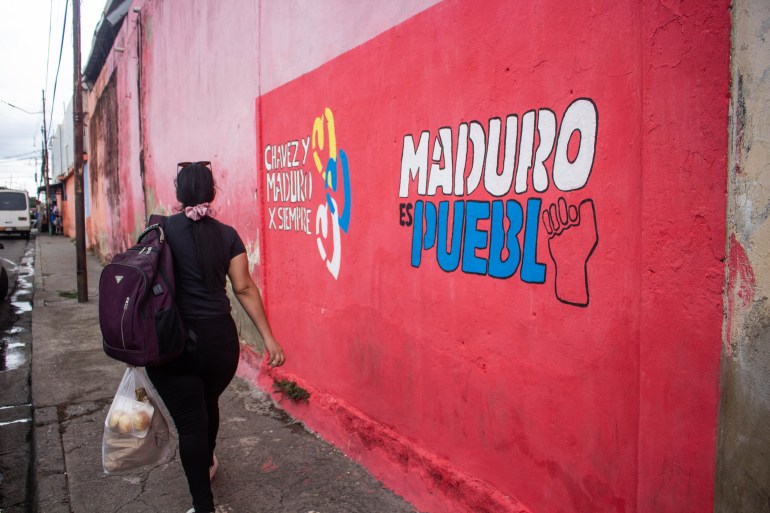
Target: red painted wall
{"type": "Point", "coordinates": [685, 97]}
{"type": "Point", "coordinates": [536, 326]}
{"type": "Point", "coordinates": [583, 381]}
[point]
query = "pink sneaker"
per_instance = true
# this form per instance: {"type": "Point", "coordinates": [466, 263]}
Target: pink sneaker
{"type": "Point", "coordinates": [213, 468]}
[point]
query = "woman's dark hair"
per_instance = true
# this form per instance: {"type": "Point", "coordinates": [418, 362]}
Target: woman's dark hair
{"type": "Point", "coordinates": [195, 185]}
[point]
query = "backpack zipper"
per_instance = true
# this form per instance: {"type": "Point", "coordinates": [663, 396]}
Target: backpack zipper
{"type": "Point", "coordinates": [122, 318]}
{"type": "Point", "coordinates": [142, 251]}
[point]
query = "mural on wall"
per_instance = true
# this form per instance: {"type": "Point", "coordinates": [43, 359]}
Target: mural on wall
{"type": "Point", "coordinates": [499, 238]}
{"type": "Point", "coordinates": [289, 186]}
{"type": "Point", "coordinates": [527, 284]}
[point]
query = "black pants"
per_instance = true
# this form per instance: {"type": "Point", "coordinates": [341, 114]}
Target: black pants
{"type": "Point", "coordinates": [190, 387]}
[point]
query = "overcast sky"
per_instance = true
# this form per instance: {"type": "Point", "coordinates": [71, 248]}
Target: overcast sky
{"type": "Point", "coordinates": [28, 62]}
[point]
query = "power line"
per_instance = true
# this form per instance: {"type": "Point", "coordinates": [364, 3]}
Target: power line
{"type": "Point", "coordinates": [48, 55]}
{"type": "Point", "coordinates": [56, 79]}
{"type": "Point", "coordinates": [19, 108]}
{"type": "Point", "coordinates": [20, 156]}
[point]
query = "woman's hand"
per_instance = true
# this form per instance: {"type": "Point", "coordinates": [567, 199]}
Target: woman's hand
{"type": "Point", "coordinates": [275, 356]}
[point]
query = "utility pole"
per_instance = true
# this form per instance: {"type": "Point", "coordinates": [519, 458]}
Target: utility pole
{"type": "Point", "coordinates": [45, 173]}
{"type": "Point", "coordinates": [80, 219]}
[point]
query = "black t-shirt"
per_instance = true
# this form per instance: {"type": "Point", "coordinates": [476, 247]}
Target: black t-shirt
{"type": "Point", "coordinates": [193, 298]}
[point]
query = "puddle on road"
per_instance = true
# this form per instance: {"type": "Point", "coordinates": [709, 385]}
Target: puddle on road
{"type": "Point", "coordinates": [22, 290]}
{"type": "Point", "coordinates": [22, 306]}
{"type": "Point", "coordinates": [12, 353]}
{"type": "Point", "coordinates": [13, 360]}
{"type": "Point", "coordinates": [14, 422]}
{"type": "Point", "coordinates": [14, 406]}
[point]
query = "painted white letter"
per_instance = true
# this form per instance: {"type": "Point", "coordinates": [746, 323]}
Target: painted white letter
{"type": "Point", "coordinates": [499, 184]}
{"type": "Point", "coordinates": [525, 151]}
{"type": "Point", "coordinates": [305, 145]}
{"type": "Point", "coordinates": [271, 186]}
{"type": "Point", "coordinates": [479, 140]}
{"type": "Point", "coordinates": [582, 116]}
{"type": "Point", "coordinates": [462, 155]}
{"type": "Point", "coordinates": [441, 176]}
{"type": "Point", "coordinates": [267, 161]}
{"type": "Point", "coordinates": [546, 129]}
{"type": "Point", "coordinates": [414, 164]}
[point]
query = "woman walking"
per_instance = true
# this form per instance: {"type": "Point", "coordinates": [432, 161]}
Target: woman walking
{"type": "Point", "coordinates": [205, 252]}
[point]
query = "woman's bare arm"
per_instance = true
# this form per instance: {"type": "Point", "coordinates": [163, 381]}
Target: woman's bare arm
{"type": "Point", "coordinates": [248, 296]}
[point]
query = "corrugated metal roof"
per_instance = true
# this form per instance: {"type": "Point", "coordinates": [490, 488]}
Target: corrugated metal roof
{"type": "Point", "coordinates": [104, 37]}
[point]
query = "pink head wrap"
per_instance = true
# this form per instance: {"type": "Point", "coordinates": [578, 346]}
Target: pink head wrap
{"type": "Point", "coordinates": [197, 212]}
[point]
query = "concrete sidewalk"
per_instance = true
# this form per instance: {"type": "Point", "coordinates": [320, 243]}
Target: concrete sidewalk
{"type": "Point", "coordinates": [268, 463]}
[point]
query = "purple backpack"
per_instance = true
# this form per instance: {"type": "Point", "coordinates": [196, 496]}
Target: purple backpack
{"type": "Point", "coordinates": [138, 316]}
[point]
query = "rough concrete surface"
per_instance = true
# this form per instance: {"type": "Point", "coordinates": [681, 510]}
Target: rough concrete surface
{"type": "Point", "coordinates": [268, 462]}
{"type": "Point", "coordinates": [743, 451]}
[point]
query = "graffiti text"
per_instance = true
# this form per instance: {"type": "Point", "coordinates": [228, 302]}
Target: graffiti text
{"type": "Point", "coordinates": [293, 186]}
{"type": "Point", "coordinates": [499, 238]}
{"type": "Point", "coordinates": [285, 155]}
{"type": "Point", "coordinates": [568, 174]}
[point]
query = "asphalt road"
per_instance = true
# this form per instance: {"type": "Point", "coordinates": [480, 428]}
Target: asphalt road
{"type": "Point", "coordinates": [17, 256]}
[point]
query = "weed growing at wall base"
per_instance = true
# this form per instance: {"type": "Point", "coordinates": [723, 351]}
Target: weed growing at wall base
{"type": "Point", "coordinates": [291, 390]}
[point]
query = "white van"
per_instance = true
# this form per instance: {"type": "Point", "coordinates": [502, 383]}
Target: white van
{"type": "Point", "coordinates": [14, 212]}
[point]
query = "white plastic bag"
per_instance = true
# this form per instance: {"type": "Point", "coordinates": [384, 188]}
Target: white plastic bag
{"type": "Point", "coordinates": [131, 411]}
{"type": "Point", "coordinates": [136, 433]}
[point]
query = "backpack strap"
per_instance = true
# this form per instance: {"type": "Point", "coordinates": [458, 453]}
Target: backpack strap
{"type": "Point", "coordinates": [156, 221]}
